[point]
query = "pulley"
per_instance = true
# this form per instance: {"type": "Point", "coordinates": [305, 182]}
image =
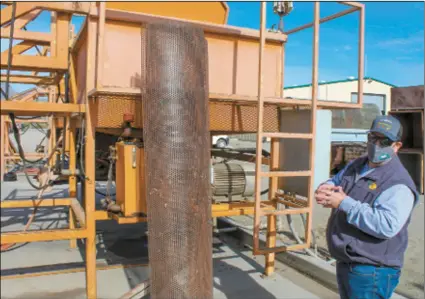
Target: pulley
{"type": "Point", "coordinates": [281, 8]}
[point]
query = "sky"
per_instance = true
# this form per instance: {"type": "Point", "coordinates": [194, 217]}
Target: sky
{"type": "Point", "coordinates": [394, 40]}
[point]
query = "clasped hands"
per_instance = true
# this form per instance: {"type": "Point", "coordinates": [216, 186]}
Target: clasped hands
{"type": "Point", "coordinates": [329, 196]}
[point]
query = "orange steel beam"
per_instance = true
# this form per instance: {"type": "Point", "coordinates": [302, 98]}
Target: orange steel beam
{"type": "Point", "coordinates": [25, 19]}
{"type": "Point", "coordinates": [37, 108]}
{"type": "Point", "coordinates": [35, 63]}
{"type": "Point", "coordinates": [28, 79]}
{"type": "Point", "coordinates": [43, 235]}
{"type": "Point", "coordinates": [68, 7]}
{"type": "Point", "coordinates": [25, 96]}
{"type": "Point", "coordinates": [18, 49]}
{"type": "Point", "coordinates": [22, 8]}
{"type": "Point", "coordinates": [90, 179]}
{"type": "Point", "coordinates": [32, 203]}
{"type": "Point", "coordinates": [40, 38]}
{"type": "Point", "coordinates": [73, 81]}
{"type": "Point", "coordinates": [7, 119]}
{"type": "Point", "coordinates": [62, 37]}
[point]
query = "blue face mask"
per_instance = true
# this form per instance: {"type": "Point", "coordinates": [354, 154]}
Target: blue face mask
{"type": "Point", "coordinates": [377, 154]}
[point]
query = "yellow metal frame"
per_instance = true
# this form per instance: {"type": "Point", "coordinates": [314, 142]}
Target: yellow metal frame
{"type": "Point", "coordinates": [82, 219]}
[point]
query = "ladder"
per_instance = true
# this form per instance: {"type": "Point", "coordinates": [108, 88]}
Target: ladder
{"type": "Point", "coordinates": [274, 173]}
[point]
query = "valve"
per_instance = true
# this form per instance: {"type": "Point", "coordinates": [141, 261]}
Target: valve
{"type": "Point", "coordinates": [128, 118]}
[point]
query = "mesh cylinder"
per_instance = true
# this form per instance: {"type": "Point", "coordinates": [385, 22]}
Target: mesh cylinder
{"type": "Point", "coordinates": [177, 155]}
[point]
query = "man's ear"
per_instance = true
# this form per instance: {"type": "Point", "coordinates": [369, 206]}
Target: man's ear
{"type": "Point", "coordinates": [397, 146]}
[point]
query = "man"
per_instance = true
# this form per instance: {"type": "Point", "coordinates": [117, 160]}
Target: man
{"type": "Point", "coordinates": [371, 199]}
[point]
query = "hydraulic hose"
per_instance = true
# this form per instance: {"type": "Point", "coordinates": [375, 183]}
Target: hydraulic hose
{"type": "Point", "coordinates": [80, 146]}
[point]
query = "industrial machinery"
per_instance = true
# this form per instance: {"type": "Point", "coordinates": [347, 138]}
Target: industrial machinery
{"type": "Point", "coordinates": [208, 77]}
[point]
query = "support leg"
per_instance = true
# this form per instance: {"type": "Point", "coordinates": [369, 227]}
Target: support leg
{"type": "Point", "coordinates": [272, 219]}
{"type": "Point", "coordinates": [3, 146]}
{"type": "Point", "coordinates": [90, 208]}
{"type": "Point", "coordinates": [72, 180]}
{"type": "Point", "coordinates": [271, 242]}
{"type": "Point", "coordinates": [90, 180]}
{"type": "Point", "coordinates": [52, 127]}
{"type": "Point", "coordinates": [72, 242]}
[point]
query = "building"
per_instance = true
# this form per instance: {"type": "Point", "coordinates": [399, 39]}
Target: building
{"type": "Point", "coordinates": [349, 125]}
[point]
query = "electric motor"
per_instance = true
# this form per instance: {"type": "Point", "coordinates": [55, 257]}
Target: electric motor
{"type": "Point", "coordinates": [233, 179]}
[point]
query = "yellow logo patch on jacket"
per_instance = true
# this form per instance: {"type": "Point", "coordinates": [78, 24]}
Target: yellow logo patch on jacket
{"type": "Point", "coordinates": [372, 185]}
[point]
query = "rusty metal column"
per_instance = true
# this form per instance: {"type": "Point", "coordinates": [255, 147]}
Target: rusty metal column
{"type": "Point", "coordinates": [177, 156]}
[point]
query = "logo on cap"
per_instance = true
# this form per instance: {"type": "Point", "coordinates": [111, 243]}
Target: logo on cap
{"type": "Point", "coordinates": [383, 125]}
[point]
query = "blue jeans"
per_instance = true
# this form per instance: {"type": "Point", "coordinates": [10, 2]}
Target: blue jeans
{"type": "Point", "coordinates": [356, 281]}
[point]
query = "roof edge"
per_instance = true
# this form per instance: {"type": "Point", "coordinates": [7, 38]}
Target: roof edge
{"type": "Point", "coordinates": [341, 81]}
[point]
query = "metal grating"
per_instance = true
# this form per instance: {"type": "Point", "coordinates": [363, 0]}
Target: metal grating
{"type": "Point", "coordinates": [223, 116]}
{"type": "Point", "coordinates": [177, 145]}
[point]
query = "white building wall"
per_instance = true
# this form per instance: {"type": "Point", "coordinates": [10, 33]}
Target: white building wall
{"type": "Point", "coordinates": [341, 92]}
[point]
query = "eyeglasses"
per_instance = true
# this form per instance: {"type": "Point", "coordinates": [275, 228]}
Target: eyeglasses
{"type": "Point", "coordinates": [383, 141]}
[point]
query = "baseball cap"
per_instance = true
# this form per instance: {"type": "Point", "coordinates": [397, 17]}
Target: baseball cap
{"type": "Point", "coordinates": [387, 125]}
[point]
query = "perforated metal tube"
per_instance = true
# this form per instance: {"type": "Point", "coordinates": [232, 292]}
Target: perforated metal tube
{"type": "Point", "coordinates": [177, 155]}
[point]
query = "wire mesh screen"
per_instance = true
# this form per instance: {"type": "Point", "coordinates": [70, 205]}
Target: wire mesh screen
{"type": "Point", "coordinates": [177, 154]}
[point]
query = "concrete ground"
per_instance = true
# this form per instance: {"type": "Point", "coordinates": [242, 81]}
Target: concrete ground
{"type": "Point", "coordinates": [411, 284]}
{"type": "Point", "coordinates": [122, 260]}
{"type": "Point", "coordinates": [412, 279]}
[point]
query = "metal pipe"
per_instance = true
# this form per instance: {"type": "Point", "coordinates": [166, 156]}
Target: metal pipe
{"type": "Point", "coordinates": [259, 143]}
{"type": "Point", "coordinates": [79, 212]}
{"type": "Point", "coordinates": [331, 17]}
{"type": "Point", "coordinates": [352, 4]}
{"type": "Point", "coordinates": [69, 172]}
{"type": "Point", "coordinates": [361, 58]}
{"type": "Point", "coordinates": [9, 54]}
{"type": "Point", "coordinates": [100, 48]}
{"type": "Point", "coordinates": [314, 91]}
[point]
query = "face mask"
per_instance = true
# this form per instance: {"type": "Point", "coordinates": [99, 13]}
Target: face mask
{"type": "Point", "coordinates": [377, 154]}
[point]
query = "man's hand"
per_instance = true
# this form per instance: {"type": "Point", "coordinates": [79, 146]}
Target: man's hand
{"type": "Point", "coordinates": [324, 188]}
{"type": "Point", "coordinates": [330, 197]}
